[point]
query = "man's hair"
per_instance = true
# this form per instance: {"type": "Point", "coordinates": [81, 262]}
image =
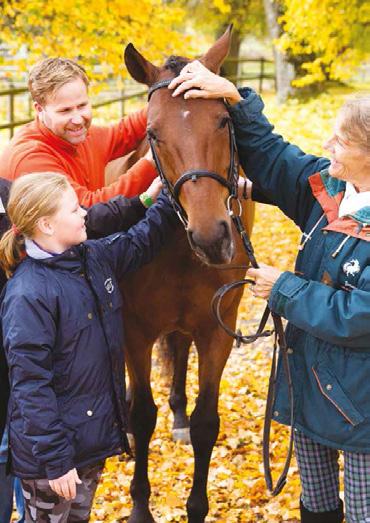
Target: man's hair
{"type": "Point", "coordinates": [47, 76]}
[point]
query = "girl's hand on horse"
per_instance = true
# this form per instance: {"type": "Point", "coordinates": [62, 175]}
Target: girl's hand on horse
{"type": "Point", "coordinates": [65, 486]}
{"type": "Point", "coordinates": [155, 188]}
{"type": "Point", "coordinates": [200, 82]}
{"type": "Point", "coordinates": [265, 277]}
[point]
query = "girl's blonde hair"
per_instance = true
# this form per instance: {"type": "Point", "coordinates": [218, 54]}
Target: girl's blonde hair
{"type": "Point", "coordinates": [356, 127]}
{"type": "Point", "coordinates": [32, 196]}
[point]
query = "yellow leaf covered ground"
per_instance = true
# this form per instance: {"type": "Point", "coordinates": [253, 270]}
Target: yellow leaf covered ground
{"type": "Point", "coordinates": [236, 486]}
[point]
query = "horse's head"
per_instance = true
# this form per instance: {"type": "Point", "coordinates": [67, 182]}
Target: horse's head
{"type": "Point", "coordinates": [192, 137]}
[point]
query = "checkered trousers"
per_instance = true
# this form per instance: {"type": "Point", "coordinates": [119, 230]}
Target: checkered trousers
{"type": "Point", "coordinates": [319, 473]}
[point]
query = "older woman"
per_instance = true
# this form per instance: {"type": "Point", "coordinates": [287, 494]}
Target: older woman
{"type": "Point", "coordinates": [326, 300]}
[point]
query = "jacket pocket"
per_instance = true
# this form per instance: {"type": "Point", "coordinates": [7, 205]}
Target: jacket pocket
{"type": "Point", "coordinates": [68, 341]}
{"type": "Point", "coordinates": [71, 327]}
{"type": "Point", "coordinates": [332, 390]}
{"type": "Point", "coordinates": [92, 423]}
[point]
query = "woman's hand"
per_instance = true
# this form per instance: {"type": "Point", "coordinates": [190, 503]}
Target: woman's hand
{"type": "Point", "coordinates": [265, 278]}
{"type": "Point", "coordinates": [244, 188]}
{"type": "Point", "coordinates": [155, 188]}
{"type": "Point", "coordinates": [65, 486]}
{"type": "Point", "coordinates": [200, 82]}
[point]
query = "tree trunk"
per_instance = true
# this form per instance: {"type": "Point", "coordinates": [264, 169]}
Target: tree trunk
{"type": "Point", "coordinates": [284, 70]}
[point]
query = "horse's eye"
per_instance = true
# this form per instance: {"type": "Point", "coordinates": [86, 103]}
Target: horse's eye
{"type": "Point", "coordinates": [151, 134]}
{"type": "Point", "coordinates": [224, 121]}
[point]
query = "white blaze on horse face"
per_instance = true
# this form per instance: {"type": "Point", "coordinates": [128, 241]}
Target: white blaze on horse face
{"type": "Point", "coordinates": [186, 125]}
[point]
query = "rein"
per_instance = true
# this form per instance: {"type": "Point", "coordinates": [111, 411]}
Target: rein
{"type": "Point", "coordinates": [279, 346]}
{"type": "Point", "coordinates": [231, 183]}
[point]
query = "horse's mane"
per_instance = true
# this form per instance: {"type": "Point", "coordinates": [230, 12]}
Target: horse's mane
{"type": "Point", "coordinates": [176, 63]}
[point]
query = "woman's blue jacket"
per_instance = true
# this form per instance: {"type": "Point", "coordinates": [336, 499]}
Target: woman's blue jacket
{"type": "Point", "coordinates": [327, 299]}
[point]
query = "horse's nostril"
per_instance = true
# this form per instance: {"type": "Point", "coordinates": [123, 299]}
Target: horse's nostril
{"type": "Point", "coordinates": [220, 232]}
{"type": "Point", "coordinates": [225, 227]}
{"type": "Point", "coordinates": [215, 247]}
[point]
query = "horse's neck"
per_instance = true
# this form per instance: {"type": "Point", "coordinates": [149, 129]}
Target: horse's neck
{"type": "Point", "coordinates": [117, 167]}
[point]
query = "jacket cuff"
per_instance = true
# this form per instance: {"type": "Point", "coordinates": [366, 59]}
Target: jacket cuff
{"type": "Point", "coordinates": [59, 468]}
{"type": "Point", "coordinates": [248, 109]}
{"type": "Point", "coordinates": [285, 288]}
{"type": "Point", "coordinates": [138, 205]}
{"type": "Point", "coordinates": [259, 196]}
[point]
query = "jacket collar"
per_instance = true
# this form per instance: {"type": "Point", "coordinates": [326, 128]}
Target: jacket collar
{"type": "Point", "coordinates": [71, 260]}
{"type": "Point", "coordinates": [35, 251]}
{"type": "Point", "coordinates": [53, 140]}
{"type": "Point", "coordinates": [329, 192]}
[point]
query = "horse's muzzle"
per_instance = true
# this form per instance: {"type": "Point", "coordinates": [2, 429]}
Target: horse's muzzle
{"type": "Point", "coordinates": [213, 249]}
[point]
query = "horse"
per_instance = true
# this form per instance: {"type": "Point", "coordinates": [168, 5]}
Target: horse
{"type": "Point", "coordinates": [172, 295]}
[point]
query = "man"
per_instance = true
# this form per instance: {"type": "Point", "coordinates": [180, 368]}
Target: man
{"type": "Point", "coordinates": [62, 139]}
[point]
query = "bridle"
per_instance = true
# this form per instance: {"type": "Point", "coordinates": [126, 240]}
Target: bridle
{"type": "Point", "coordinates": [231, 183]}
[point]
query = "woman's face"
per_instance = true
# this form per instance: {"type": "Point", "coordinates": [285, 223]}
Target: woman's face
{"type": "Point", "coordinates": [67, 225]}
{"type": "Point", "coordinates": [349, 161]}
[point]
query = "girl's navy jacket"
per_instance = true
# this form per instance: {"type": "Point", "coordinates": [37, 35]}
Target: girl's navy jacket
{"type": "Point", "coordinates": [63, 339]}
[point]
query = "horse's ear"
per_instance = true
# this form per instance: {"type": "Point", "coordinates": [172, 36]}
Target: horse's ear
{"type": "Point", "coordinates": [218, 52]}
{"type": "Point", "coordinates": [139, 67]}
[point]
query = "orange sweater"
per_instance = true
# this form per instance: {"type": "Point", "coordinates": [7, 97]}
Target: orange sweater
{"type": "Point", "coordinates": [34, 148]}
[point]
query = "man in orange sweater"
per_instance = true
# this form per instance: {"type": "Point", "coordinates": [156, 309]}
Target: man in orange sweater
{"type": "Point", "coordinates": [62, 139]}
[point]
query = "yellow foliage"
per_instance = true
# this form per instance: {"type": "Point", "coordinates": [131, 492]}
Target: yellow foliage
{"type": "Point", "coordinates": [222, 6]}
{"type": "Point", "coordinates": [93, 32]}
{"type": "Point", "coordinates": [331, 36]}
{"type": "Point", "coordinates": [214, 15]}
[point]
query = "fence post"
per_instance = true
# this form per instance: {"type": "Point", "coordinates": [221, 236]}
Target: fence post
{"type": "Point", "coordinates": [11, 112]}
{"type": "Point", "coordinates": [122, 103]}
{"type": "Point", "coordinates": [262, 74]}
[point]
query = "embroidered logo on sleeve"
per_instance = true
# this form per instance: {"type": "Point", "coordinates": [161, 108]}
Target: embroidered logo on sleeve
{"type": "Point", "coordinates": [108, 284]}
{"type": "Point", "coordinates": [351, 267]}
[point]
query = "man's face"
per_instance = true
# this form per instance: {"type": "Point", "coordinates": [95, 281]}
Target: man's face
{"type": "Point", "coordinates": [67, 113]}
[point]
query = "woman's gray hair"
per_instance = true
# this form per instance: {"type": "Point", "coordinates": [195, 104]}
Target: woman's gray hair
{"type": "Point", "coordinates": [356, 124]}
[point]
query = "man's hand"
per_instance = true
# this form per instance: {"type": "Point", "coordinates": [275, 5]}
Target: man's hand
{"type": "Point", "coordinates": [265, 278]}
{"type": "Point", "coordinates": [200, 82]}
{"type": "Point", "coordinates": [65, 486]}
